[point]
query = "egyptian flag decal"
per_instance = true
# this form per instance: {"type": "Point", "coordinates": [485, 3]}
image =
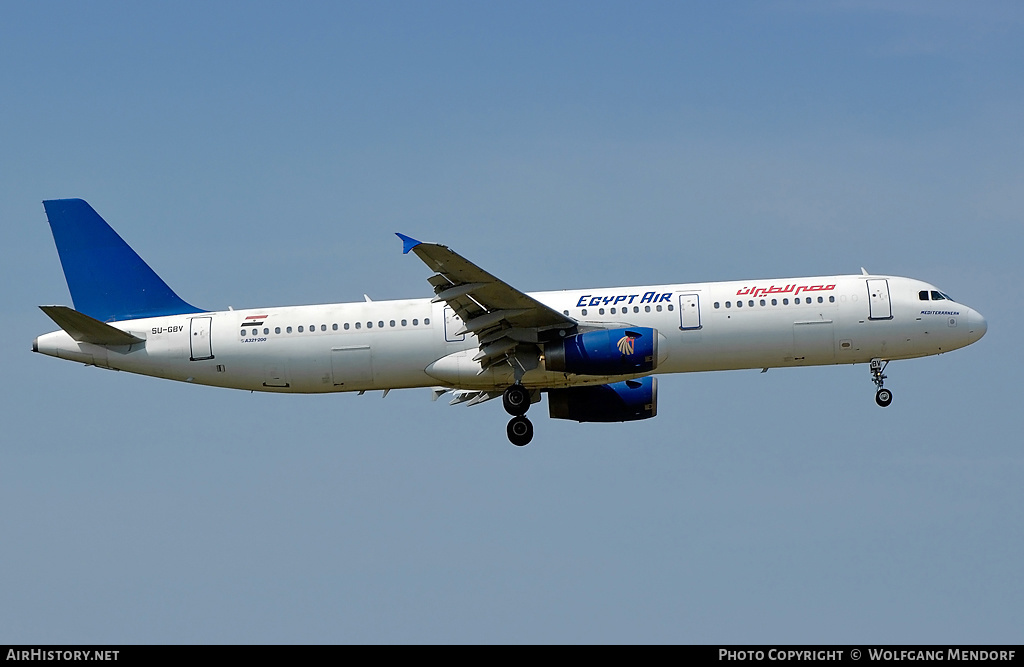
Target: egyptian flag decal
{"type": "Point", "coordinates": [254, 320]}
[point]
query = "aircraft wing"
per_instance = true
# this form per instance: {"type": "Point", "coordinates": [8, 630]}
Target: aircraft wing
{"type": "Point", "coordinates": [503, 318]}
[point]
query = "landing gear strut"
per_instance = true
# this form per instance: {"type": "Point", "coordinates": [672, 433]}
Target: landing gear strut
{"type": "Point", "coordinates": [516, 401]}
{"type": "Point", "coordinates": [883, 396]}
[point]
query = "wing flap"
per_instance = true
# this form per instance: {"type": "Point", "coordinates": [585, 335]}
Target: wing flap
{"type": "Point", "coordinates": [460, 290]}
{"type": "Point", "coordinates": [472, 397]}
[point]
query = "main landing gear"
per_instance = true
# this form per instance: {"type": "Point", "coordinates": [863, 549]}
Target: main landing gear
{"type": "Point", "coordinates": [883, 396]}
{"type": "Point", "coordinates": [516, 401]}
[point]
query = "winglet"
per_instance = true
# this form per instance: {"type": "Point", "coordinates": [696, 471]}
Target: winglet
{"type": "Point", "coordinates": [408, 243]}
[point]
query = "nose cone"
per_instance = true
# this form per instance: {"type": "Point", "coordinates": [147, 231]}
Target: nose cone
{"type": "Point", "coordinates": [976, 326]}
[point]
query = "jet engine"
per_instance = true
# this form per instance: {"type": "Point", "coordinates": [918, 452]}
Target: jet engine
{"type": "Point", "coordinates": [605, 352]}
{"type": "Point", "coordinates": [617, 402]}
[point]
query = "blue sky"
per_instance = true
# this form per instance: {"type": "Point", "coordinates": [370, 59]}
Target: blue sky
{"type": "Point", "coordinates": [261, 154]}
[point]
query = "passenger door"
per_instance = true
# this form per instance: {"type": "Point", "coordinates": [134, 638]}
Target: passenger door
{"type": "Point", "coordinates": [878, 293]}
{"type": "Point", "coordinates": [199, 337]}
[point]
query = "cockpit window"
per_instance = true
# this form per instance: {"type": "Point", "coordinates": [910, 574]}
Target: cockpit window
{"type": "Point", "coordinates": [937, 296]}
{"type": "Point", "coordinates": [923, 295]}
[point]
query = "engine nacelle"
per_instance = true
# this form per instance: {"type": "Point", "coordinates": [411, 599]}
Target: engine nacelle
{"type": "Point", "coordinates": [617, 402]}
{"type": "Point", "coordinates": [606, 352]}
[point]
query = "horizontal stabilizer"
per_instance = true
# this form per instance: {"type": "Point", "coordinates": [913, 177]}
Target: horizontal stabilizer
{"type": "Point", "coordinates": [85, 329]}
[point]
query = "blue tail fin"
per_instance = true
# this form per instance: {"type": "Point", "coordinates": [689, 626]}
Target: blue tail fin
{"type": "Point", "coordinates": [107, 279]}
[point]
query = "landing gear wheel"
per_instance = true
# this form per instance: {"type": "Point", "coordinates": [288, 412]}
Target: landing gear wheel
{"type": "Point", "coordinates": [516, 401]}
{"type": "Point", "coordinates": [883, 397]}
{"type": "Point", "coordinates": [520, 431]}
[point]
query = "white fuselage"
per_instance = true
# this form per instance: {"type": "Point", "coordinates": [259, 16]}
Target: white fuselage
{"type": "Point", "coordinates": [413, 343]}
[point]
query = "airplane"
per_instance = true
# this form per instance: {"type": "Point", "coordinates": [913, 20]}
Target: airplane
{"type": "Point", "coordinates": [594, 352]}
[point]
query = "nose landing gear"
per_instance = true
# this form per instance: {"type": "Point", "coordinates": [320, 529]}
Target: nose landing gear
{"type": "Point", "coordinates": [883, 396]}
{"type": "Point", "coordinates": [516, 401]}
